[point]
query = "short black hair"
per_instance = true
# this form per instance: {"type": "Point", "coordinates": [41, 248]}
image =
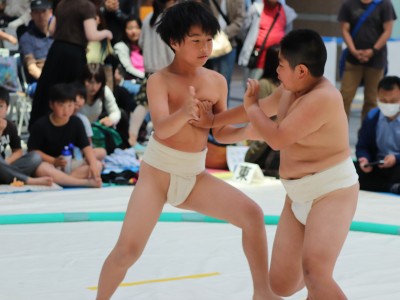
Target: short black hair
{"type": "Point", "coordinates": [62, 92]}
{"type": "Point", "coordinates": [5, 95]}
{"type": "Point", "coordinates": [389, 83]}
{"type": "Point", "coordinates": [305, 46]}
{"type": "Point", "coordinates": [177, 20]}
{"type": "Point", "coordinates": [79, 88]}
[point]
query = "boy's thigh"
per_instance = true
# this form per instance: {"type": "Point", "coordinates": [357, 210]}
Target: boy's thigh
{"type": "Point", "coordinates": [286, 260]}
{"type": "Point", "coordinates": [328, 225]}
{"type": "Point", "coordinates": [213, 197]}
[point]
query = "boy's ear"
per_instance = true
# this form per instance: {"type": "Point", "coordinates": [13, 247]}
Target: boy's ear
{"type": "Point", "coordinates": [174, 44]}
{"type": "Point", "coordinates": [302, 70]}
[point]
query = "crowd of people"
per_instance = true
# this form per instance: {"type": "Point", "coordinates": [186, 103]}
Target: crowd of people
{"type": "Point", "coordinates": [114, 52]}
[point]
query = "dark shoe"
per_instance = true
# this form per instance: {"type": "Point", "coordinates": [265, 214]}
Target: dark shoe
{"type": "Point", "coordinates": [395, 188]}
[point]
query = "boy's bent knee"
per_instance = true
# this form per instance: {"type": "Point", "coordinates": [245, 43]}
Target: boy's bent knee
{"type": "Point", "coordinates": [283, 287]}
{"type": "Point", "coordinates": [125, 256]}
{"type": "Point", "coordinates": [253, 216]}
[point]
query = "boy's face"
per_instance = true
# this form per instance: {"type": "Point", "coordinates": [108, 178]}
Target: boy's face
{"type": "Point", "coordinates": [79, 102]}
{"type": "Point", "coordinates": [196, 47]}
{"type": "Point", "coordinates": [3, 109]}
{"type": "Point", "coordinates": [285, 73]}
{"type": "Point", "coordinates": [62, 111]}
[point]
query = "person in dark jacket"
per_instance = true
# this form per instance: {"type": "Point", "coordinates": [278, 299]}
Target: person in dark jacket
{"type": "Point", "coordinates": [378, 145]}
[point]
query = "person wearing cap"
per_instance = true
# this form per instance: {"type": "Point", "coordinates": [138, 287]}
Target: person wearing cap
{"type": "Point", "coordinates": [36, 41]}
{"type": "Point", "coordinates": [74, 25]}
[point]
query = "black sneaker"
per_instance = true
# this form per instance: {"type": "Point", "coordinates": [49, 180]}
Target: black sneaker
{"type": "Point", "coordinates": [395, 188]}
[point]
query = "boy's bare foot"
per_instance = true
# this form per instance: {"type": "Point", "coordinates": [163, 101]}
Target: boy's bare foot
{"type": "Point", "coordinates": [45, 180]}
{"type": "Point", "coordinates": [266, 296]}
{"type": "Point", "coordinates": [95, 182]}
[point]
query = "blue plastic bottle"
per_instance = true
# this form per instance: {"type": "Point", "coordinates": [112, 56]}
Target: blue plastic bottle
{"type": "Point", "coordinates": [67, 155]}
{"type": "Point", "coordinates": [77, 154]}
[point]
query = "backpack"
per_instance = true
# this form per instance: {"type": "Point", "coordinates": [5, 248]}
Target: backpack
{"type": "Point", "coordinates": [263, 155]}
{"type": "Point", "coordinates": [105, 137]}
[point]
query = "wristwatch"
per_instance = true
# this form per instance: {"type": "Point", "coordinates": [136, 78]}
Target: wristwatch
{"type": "Point", "coordinates": [374, 50]}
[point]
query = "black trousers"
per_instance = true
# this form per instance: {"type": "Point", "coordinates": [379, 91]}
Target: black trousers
{"type": "Point", "coordinates": [379, 180]}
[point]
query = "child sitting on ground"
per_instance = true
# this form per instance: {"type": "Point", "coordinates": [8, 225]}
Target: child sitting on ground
{"type": "Point", "coordinates": [50, 134]}
{"type": "Point", "coordinates": [16, 166]}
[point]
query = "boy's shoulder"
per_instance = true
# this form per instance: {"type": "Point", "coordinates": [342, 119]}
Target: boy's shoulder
{"type": "Point", "coordinates": [11, 128]}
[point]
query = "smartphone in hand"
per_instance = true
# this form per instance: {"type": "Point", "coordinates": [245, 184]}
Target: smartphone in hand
{"type": "Point", "coordinates": [374, 163]}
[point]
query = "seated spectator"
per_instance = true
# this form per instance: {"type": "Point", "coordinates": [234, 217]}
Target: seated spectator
{"type": "Point", "coordinates": [16, 166]}
{"type": "Point", "coordinates": [50, 134]}
{"type": "Point", "coordinates": [115, 12]}
{"type": "Point", "coordinates": [80, 95]}
{"type": "Point", "coordinates": [101, 104]}
{"type": "Point", "coordinates": [130, 56]}
{"type": "Point", "coordinates": [378, 145]}
{"type": "Point", "coordinates": [36, 41]}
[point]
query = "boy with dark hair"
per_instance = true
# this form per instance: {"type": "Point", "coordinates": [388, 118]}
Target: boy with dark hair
{"type": "Point", "coordinates": [173, 165]}
{"type": "Point", "coordinates": [316, 170]}
{"type": "Point", "coordinates": [50, 134]}
{"type": "Point", "coordinates": [16, 166]}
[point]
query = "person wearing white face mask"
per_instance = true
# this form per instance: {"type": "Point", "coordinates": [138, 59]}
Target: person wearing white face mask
{"type": "Point", "coordinates": [378, 145]}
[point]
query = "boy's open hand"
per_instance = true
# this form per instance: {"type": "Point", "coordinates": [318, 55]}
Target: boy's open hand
{"type": "Point", "coordinates": [191, 106]}
{"type": "Point", "coordinates": [251, 95]}
{"type": "Point", "coordinates": [206, 115]}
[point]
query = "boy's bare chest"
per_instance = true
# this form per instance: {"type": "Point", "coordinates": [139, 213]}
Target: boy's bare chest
{"type": "Point", "coordinates": [180, 93]}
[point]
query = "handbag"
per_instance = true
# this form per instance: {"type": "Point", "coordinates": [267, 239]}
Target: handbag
{"type": "Point", "coordinates": [255, 53]}
{"type": "Point", "coordinates": [221, 45]}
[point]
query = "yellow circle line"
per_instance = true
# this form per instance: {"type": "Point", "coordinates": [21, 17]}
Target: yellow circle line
{"type": "Point", "coordinates": [94, 288]}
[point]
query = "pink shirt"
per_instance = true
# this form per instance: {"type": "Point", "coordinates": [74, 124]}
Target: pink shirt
{"type": "Point", "coordinates": [137, 58]}
{"type": "Point", "coordinates": [276, 34]}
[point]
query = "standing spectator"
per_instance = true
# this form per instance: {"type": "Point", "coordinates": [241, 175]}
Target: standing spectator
{"type": "Point", "coordinates": [16, 166]}
{"type": "Point", "coordinates": [379, 141]}
{"type": "Point", "coordinates": [230, 15]}
{"type": "Point", "coordinates": [259, 21]}
{"type": "Point", "coordinates": [74, 25]}
{"type": "Point", "coordinates": [367, 53]}
{"type": "Point", "coordinates": [36, 41]}
{"type": "Point", "coordinates": [115, 13]}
